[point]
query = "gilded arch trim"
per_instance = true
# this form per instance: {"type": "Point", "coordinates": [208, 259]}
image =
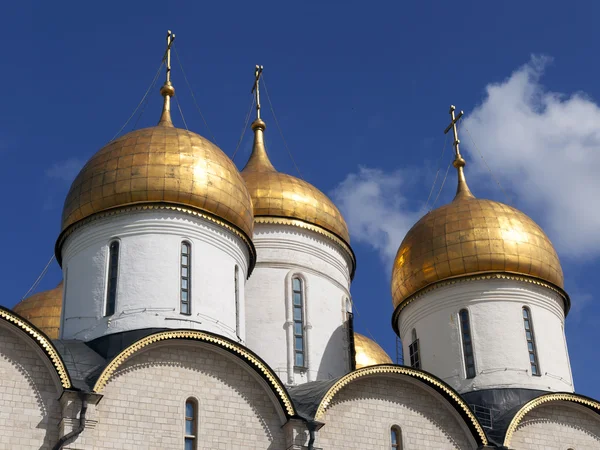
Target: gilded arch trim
{"type": "Point", "coordinates": [541, 400]}
{"type": "Point", "coordinates": [249, 357]}
{"type": "Point", "coordinates": [42, 341]}
{"type": "Point", "coordinates": [450, 394]}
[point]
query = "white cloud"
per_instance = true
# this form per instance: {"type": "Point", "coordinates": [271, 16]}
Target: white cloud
{"type": "Point", "coordinates": [545, 148]}
{"type": "Point", "coordinates": [65, 171]}
{"type": "Point", "coordinates": [376, 212]}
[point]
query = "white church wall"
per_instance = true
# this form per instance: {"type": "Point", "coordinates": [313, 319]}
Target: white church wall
{"type": "Point", "coordinates": [282, 253]}
{"type": "Point", "coordinates": [362, 414]}
{"type": "Point", "coordinates": [498, 334]}
{"type": "Point", "coordinates": [558, 426]}
{"type": "Point", "coordinates": [148, 287]}
{"type": "Point", "coordinates": [143, 402]}
{"type": "Point", "coordinates": [29, 407]}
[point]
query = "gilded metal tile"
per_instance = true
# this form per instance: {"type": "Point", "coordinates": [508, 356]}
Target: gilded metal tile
{"type": "Point", "coordinates": [368, 352]}
{"type": "Point", "coordinates": [43, 310]}
{"type": "Point", "coordinates": [277, 194]}
{"type": "Point", "coordinates": [160, 164]}
{"type": "Point", "coordinates": [469, 236]}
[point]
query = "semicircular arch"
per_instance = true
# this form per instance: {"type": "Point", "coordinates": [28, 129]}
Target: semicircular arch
{"type": "Point", "coordinates": [449, 394]}
{"type": "Point", "coordinates": [542, 400]}
{"type": "Point", "coordinates": [42, 341]}
{"type": "Point", "coordinates": [244, 354]}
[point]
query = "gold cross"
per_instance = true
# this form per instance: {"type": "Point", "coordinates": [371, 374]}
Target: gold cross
{"type": "Point", "coordinates": [167, 56]}
{"type": "Point", "coordinates": [257, 73]}
{"type": "Point", "coordinates": [453, 126]}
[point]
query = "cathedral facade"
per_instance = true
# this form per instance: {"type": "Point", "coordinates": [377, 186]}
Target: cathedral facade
{"type": "Point", "coordinates": [203, 307]}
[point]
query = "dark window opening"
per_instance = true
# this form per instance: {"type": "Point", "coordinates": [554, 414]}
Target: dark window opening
{"type": "Point", "coordinates": [465, 328]}
{"type": "Point", "coordinates": [113, 270]}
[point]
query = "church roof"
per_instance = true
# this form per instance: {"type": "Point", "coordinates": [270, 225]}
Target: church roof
{"type": "Point", "coordinates": [276, 194]}
{"type": "Point", "coordinates": [471, 236]}
{"type": "Point", "coordinates": [158, 166]}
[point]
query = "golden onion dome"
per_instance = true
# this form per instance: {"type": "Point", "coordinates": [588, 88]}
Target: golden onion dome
{"type": "Point", "coordinates": [43, 310]}
{"type": "Point", "coordinates": [472, 236]}
{"type": "Point", "coordinates": [368, 352]}
{"type": "Point", "coordinates": [161, 166]}
{"type": "Point", "coordinates": [276, 194]}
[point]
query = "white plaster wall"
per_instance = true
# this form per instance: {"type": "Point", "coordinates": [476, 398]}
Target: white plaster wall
{"type": "Point", "coordinates": [498, 334]}
{"type": "Point", "coordinates": [148, 288]}
{"type": "Point", "coordinates": [283, 252]}
{"type": "Point", "coordinates": [362, 414]}
{"type": "Point", "coordinates": [143, 403]}
{"type": "Point", "coordinates": [558, 426]}
{"type": "Point", "coordinates": [29, 392]}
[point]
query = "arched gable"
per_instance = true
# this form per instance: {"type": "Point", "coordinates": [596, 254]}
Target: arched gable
{"type": "Point", "coordinates": [244, 354]}
{"type": "Point", "coordinates": [41, 340]}
{"type": "Point", "coordinates": [449, 394]}
{"type": "Point", "coordinates": [593, 405]}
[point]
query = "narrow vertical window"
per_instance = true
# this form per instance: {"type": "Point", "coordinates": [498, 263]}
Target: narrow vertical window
{"type": "Point", "coordinates": [186, 277]}
{"type": "Point", "coordinates": [191, 424]}
{"type": "Point", "coordinates": [298, 312]}
{"type": "Point", "coordinates": [113, 270]}
{"type": "Point", "coordinates": [465, 329]}
{"type": "Point", "coordinates": [350, 331]}
{"type": "Point", "coordinates": [530, 337]}
{"type": "Point", "coordinates": [236, 281]}
{"type": "Point", "coordinates": [396, 438]}
{"type": "Point", "coordinates": [413, 351]}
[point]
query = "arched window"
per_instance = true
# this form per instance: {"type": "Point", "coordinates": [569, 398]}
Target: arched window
{"type": "Point", "coordinates": [186, 278]}
{"type": "Point", "coordinates": [191, 424]}
{"type": "Point", "coordinates": [530, 337]}
{"type": "Point", "coordinates": [113, 271]}
{"type": "Point", "coordinates": [396, 438]}
{"type": "Point", "coordinates": [413, 351]}
{"type": "Point", "coordinates": [236, 281]}
{"type": "Point", "coordinates": [465, 329]}
{"type": "Point", "coordinates": [298, 314]}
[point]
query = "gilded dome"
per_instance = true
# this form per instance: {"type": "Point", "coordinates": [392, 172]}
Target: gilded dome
{"type": "Point", "coordinates": [472, 236]}
{"type": "Point", "coordinates": [276, 194]}
{"type": "Point", "coordinates": [368, 352]}
{"type": "Point", "coordinates": [161, 165]}
{"type": "Point", "coordinates": [43, 310]}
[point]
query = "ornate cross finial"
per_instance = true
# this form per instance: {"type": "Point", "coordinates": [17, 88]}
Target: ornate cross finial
{"type": "Point", "coordinates": [255, 88]}
{"type": "Point", "coordinates": [167, 90]}
{"type": "Point", "coordinates": [167, 57]}
{"type": "Point", "coordinates": [462, 190]}
{"type": "Point", "coordinates": [454, 129]}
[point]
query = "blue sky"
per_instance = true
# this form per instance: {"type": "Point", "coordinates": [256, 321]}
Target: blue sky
{"type": "Point", "coordinates": [361, 91]}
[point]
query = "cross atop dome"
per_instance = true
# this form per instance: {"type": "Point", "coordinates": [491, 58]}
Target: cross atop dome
{"type": "Point", "coordinates": [256, 88]}
{"type": "Point", "coordinates": [462, 191]}
{"type": "Point", "coordinates": [167, 90]}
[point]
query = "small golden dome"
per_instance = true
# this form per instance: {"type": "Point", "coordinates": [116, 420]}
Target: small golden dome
{"type": "Point", "coordinates": [276, 194]}
{"type": "Point", "coordinates": [472, 236]}
{"type": "Point", "coordinates": [43, 310]}
{"type": "Point", "coordinates": [161, 165]}
{"type": "Point", "coordinates": [368, 352]}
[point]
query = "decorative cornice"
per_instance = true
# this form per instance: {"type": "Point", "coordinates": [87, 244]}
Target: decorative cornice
{"type": "Point", "coordinates": [456, 401]}
{"type": "Point", "coordinates": [479, 277]}
{"type": "Point", "coordinates": [157, 206]}
{"type": "Point", "coordinates": [274, 220]}
{"type": "Point", "coordinates": [556, 397]}
{"type": "Point", "coordinates": [43, 341]}
{"type": "Point", "coordinates": [254, 361]}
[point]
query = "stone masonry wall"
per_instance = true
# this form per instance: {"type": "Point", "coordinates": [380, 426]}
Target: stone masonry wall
{"type": "Point", "coordinates": [558, 426]}
{"type": "Point", "coordinates": [143, 403]}
{"type": "Point", "coordinates": [29, 407]}
{"type": "Point", "coordinates": [362, 414]}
